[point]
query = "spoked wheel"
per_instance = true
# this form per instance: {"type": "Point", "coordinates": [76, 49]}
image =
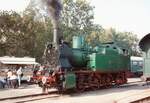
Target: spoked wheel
{"type": "Point", "coordinates": [80, 88]}
{"type": "Point", "coordinates": [80, 83]}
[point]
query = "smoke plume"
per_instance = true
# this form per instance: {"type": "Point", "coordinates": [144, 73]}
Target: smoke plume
{"type": "Point", "coordinates": [54, 8]}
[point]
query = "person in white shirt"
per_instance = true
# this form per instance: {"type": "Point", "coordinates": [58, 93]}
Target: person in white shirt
{"type": "Point", "coordinates": [19, 73]}
{"type": "Point", "coordinates": [14, 80]}
{"type": "Point", "coordinates": [9, 74]}
{"type": "Point", "coordinates": [41, 68]}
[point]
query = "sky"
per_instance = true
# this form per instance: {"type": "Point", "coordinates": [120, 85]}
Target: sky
{"type": "Point", "coordinates": [123, 15]}
{"type": "Point", "coordinates": [16, 5]}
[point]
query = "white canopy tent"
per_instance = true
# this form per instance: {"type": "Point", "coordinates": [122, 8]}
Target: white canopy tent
{"type": "Point", "coordinates": [134, 58]}
{"type": "Point", "coordinates": [17, 60]}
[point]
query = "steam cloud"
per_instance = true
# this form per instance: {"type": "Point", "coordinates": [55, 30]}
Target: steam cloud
{"type": "Point", "coordinates": [54, 8]}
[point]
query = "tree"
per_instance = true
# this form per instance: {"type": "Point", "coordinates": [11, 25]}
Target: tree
{"type": "Point", "coordinates": [27, 34]}
{"type": "Point", "coordinates": [43, 35]}
{"type": "Point", "coordinates": [95, 35]}
{"type": "Point", "coordinates": [21, 35]}
{"type": "Point", "coordinates": [77, 18]}
{"type": "Point", "coordinates": [126, 40]}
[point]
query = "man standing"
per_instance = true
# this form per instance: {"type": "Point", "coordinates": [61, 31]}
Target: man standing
{"type": "Point", "coordinates": [9, 74]}
{"type": "Point", "coordinates": [19, 73]}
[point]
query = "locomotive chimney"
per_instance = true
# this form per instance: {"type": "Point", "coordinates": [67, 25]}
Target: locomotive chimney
{"type": "Point", "coordinates": [54, 8]}
{"type": "Point", "coordinates": [55, 37]}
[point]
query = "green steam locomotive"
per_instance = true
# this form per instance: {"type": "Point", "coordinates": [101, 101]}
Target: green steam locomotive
{"type": "Point", "coordinates": [81, 67]}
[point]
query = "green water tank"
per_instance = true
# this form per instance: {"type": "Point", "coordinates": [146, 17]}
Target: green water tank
{"type": "Point", "coordinates": [108, 60]}
{"type": "Point", "coordinates": [78, 42]}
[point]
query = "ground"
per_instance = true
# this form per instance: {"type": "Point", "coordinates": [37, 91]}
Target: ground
{"type": "Point", "coordinates": [123, 94]}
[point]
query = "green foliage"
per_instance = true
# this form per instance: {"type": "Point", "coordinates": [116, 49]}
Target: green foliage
{"type": "Point", "coordinates": [27, 34]}
{"type": "Point", "coordinates": [125, 40]}
{"type": "Point", "coordinates": [77, 18]}
{"type": "Point", "coordinates": [22, 35]}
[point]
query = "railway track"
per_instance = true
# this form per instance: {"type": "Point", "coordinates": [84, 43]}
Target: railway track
{"type": "Point", "coordinates": [32, 95]}
{"type": "Point", "coordinates": [139, 100]}
{"type": "Point", "coordinates": [143, 97]}
{"type": "Point", "coordinates": [30, 98]}
{"type": "Point", "coordinates": [54, 94]}
{"type": "Point", "coordinates": [143, 100]}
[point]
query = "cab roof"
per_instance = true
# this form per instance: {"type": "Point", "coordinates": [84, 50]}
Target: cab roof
{"type": "Point", "coordinates": [145, 40]}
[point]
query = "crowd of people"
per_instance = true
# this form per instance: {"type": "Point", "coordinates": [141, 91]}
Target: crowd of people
{"type": "Point", "coordinates": [13, 78]}
{"type": "Point", "coordinates": [14, 75]}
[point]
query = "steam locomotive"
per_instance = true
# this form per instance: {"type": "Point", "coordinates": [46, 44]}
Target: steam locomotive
{"type": "Point", "coordinates": [81, 67]}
